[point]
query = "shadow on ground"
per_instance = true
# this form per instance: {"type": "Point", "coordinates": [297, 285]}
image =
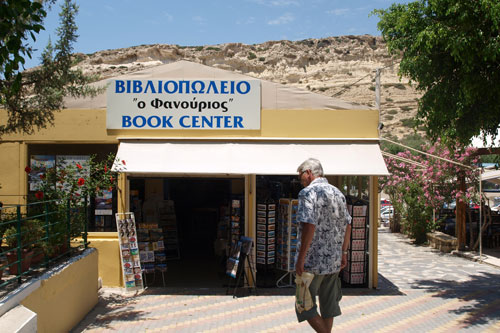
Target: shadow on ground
{"type": "Point", "coordinates": [111, 307]}
{"type": "Point", "coordinates": [386, 287]}
{"type": "Point", "coordinates": [481, 292]}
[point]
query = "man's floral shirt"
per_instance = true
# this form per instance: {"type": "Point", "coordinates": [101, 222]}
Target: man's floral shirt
{"type": "Point", "coordinates": [324, 206]}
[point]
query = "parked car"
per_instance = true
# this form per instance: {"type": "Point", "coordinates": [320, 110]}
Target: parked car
{"type": "Point", "coordinates": [496, 208]}
{"type": "Point", "coordinates": [385, 203]}
{"type": "Point", "coordinates": [386, 213]}
{"type": "Point", "coordinates": [383, 209]}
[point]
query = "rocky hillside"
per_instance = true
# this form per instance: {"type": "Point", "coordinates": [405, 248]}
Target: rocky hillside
{"type": "Point", "coordinates": [343, 67]}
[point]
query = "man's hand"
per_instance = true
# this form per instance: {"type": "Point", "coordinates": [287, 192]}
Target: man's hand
{"type": "Point", "coordinates": [299, 267]}
{"type": "Point", "coordinates": [343, 263]}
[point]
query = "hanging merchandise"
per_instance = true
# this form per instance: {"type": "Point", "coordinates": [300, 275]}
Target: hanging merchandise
{"type": "Point", "coordinates": [355, 273]}
{"type": "Point", "coordinates": [129, 251]}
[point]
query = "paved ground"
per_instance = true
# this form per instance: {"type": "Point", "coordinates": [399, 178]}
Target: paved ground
{"type": "Point", "coordinates": [420, 290]}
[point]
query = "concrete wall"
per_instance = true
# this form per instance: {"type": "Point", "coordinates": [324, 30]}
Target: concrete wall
{"type": "Point", "coordinates": [109, 268]}
{"type": "Point", "coordinates": [64, 299]}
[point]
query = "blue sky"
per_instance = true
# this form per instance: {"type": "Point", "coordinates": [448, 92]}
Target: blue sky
{"type": "Point", "coordinates": [111, 24]}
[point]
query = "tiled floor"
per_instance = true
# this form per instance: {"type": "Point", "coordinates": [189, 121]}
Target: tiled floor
{"type": "Point", "coordinates": [420, 290]}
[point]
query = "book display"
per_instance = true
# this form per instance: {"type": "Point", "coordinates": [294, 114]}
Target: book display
{"type": "Point", "coordinates": [129, 251]}
{"type": "Point", "coordinates": [223, 232]}
{"type": "Point", "coordinates": [266, 234]}
{"type": "Point", "coordinates": [355, 273]}
{"type": "Point", "coordinates": [168, 222]}
{"type": "Point", "coordinates": [152, 247]}
{"type": "Point", "coordinates": [286, 241]}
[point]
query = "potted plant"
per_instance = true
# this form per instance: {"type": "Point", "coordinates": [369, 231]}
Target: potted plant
{"type": "Point", "coordinates": [27, 252]}
{"type": "Point", "coordinates": [34, 237]}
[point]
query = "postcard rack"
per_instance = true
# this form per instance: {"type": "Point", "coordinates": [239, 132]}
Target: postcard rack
{"type": "Point", "coordinates": [286, 243]}
{"type": "Point", "coordinates": [129, 251]}
{"type": "Point", "coordinates": [355, 273]}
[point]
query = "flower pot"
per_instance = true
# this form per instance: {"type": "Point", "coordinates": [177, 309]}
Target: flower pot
{"type": "Point", "coordinates": [59, 250]}
{"type": "Point", "coordinates": [26, 256]}
{"type": "Point", "coordinates": [38, 256]}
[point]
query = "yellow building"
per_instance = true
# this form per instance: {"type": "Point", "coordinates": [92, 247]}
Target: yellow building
{"type": "Point", "coordinates": [194, 139]}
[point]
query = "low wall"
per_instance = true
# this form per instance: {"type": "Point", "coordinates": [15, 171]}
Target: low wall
{"type": "Point", "coordinates": [108, 246]}
{"type": "Point", "coordinates": [441, 241]}
{"type": "Point", "coordinates": [66, 295]}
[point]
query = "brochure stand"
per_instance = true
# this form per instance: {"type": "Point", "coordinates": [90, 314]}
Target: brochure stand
{"type": "Point", "coordinates": [240, 254]}
{"type": "Point", "coordinates": [129, 252]}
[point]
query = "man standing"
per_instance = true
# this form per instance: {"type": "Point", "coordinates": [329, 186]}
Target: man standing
{"type": "Point", "coordinates": [324, 233]}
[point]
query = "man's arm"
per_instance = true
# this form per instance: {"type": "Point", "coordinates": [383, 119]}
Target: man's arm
{"type": "Point", "coordinates": [305, 242]}
{"type": "Point", "coordinates": [345, 246]}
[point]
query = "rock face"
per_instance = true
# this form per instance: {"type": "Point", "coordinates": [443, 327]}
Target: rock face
{"type": "Point", "coordinates": [343, 67]}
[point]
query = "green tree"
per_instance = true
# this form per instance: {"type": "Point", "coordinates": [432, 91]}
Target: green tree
{"type": "Point", "coordinates": [20, 18]}
{"type": "Point", "coordinates": [451, 49]}
{"type": "Point", "coordinates": [31, 97]}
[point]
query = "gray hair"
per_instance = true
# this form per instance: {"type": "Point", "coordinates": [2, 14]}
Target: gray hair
{"type": "Point", "coordinates": [311, 164]}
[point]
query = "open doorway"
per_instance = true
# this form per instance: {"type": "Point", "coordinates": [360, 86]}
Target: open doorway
{"type": "Point", "coordinates": [201, 213]}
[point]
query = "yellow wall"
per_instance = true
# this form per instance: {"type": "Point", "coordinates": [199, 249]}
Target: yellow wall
{"type": "Point", "coordinates": [64, 299]}
{"type": "Point", "coordinates": [13, 179]}
{"type": "Point", "coordinates": [81, 126]}
{"type": "Point", "coordinates": [109, 267]}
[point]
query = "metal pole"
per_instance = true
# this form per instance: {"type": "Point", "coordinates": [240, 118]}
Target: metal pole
{"type": "Point", "coordinates": [68, 226]}
{"type": "Point", "coordinates": [19, 244]}
{"type": "Point", "coordinates": [377, 89]}
{"type": "Point", "coordinates": [85, 224]}
{"type": "Point", "coordinates": [480, 218]}
{"type": "Point", "coordinates": [47, 236]}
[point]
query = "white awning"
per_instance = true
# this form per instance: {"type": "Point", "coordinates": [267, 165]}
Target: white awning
{"type": "Point", "coordinates": [247, 157]}
{"type": "Point", "coordinates": [491, 176]}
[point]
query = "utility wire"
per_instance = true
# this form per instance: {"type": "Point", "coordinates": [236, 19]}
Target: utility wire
{"type": "Point", "coordinates": [427, 154]}
{"type": "Point", "coordinates": [352, 84]}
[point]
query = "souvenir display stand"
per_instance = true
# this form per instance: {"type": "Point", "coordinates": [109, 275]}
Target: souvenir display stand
{"type": "Point", "coordinates": [355, 273]}
{"type": "Point", "coordinates": [237, 264]}
{"type": "Point", "coordinates": [152, 251]}
{"type": "Point", "coordinates": [286, 243]}
{"type": "Point", "coordinates": [266, 242]}
{"type": "Point", "coordinates": [129, 251]}
{"type": "Point", "coordinates": [266, 234]}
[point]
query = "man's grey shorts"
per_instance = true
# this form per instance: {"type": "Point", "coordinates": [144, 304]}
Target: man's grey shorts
{"type": "Point", "coordinates": [328, 289]}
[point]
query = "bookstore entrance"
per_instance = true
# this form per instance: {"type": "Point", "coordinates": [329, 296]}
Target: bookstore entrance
{"type": "Point", "coordinates": [184, 228]}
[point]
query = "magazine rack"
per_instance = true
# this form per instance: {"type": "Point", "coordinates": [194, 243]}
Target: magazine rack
{"type": "Point", "coordinates": [237, 264]}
